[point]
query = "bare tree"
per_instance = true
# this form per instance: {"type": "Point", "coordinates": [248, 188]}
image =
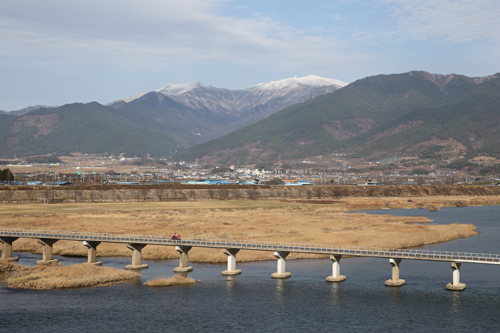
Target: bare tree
{"type": "Point", "coordinates": [52, 193]}
{"type": "Point", "coordinates": [8, 194]}
{"type": "Point", "coordinates": [46, 193]}
{"type": "Point", "coordinates": [294, 193]}
{"type": "Point", "coordinates": [317, 191]}
{"type": "Point", "coordinates": [175, 193]}
{"type": "Point", "coordinates": [161, 194]}
{"type": "Point", "coordinates": [335, 191]}
{"type": "Point", "coordinates": [237, 194]}
{"type": "Point", "coordinates": [371, 191]}
{"type": "Point", "coordinates": [92, 194]}
{"type": "Point", "coordinates": [397, 191]}
{"type": "Point", "coordinates": [115, 195]}
{"type": "Point", "coordinates": [144, 193]}
{"type": "Point", "coordinates": [212, 193]}
{"type": "Point", "coordinates": [170, 195]}
{"type": "Point", "coordinates": [279, 193]}
{"type": "Point", "coordinates": [253, 193]}
{"type": "Point", "coordinates": [182, 195]}
{"type": "Point", "coordinates": [77, 194]}
{"type": "Point", "coordinates": [224, 193]}
{"type": "Point", "coordinates": [98, 195]}
{"type": "Point", "coordinates": [192, 194]}
{"type": "Point", "coordinates": [29, 192]}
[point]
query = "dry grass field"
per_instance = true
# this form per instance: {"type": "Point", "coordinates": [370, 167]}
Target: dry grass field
{"type": "Point", "coordinates": [259, 220]}
{"type": "Point", "coordinates": [56, 276]}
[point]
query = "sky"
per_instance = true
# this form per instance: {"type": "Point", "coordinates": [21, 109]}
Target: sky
{"type": "Point", "coordinates": [54, 52]}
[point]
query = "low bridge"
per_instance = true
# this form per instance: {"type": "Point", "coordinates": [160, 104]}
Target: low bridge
{"type": "Point", "coordinates": [231, 247]}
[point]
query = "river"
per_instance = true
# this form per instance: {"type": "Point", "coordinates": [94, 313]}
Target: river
{"type": "Point", "coordinates": [303, 303]}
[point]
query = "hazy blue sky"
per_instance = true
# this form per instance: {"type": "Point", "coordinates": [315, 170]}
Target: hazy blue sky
{"type": "Point", "coordinates": [54, 52]}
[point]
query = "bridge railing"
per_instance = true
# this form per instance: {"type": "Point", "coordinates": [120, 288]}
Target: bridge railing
{"type": "Point", "coordinates": [256, 245]}
{"type": "Point", "coordinates": [345, 249]}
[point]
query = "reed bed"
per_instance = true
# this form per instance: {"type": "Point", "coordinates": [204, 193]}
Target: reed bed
{"type": "Point", "coordinates": [6, 268]}
{"type": "Point", "coordinates": [170, 281]}
{"type": "Point", "coordinates": [259, 221]}
{"type": "Point", "coordinates": [74, 276]}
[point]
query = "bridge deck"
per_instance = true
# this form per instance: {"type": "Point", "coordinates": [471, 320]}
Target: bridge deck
{"type": "Point", "coordinates": [476, 258]}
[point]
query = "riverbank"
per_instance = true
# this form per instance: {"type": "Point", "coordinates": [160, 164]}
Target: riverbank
{"type": "Point", "coordinates": [197, 193]}
{"type": "Point", "coordinates": [261, 220]}
{"type": "Point", "coordinates": [55, 276]}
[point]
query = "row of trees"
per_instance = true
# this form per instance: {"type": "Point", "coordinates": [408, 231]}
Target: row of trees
{"type": "Point", "coordinates": [6, 175]}
{"type": "Point", "coordinates": [52, 194]}
{"type": "Point", "coordinates": [78, 194]}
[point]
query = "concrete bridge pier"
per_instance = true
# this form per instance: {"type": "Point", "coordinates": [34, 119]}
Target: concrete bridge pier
{"type": "Point", "coordinates": [183, 259]}
{"type": "Point", "coordinates": [395, 281]}
{"type": "Point", "coordinates": [136, 257]}
{"type": "Point", "coordinates": [281, 273]}
{"type": "Point", "coordinates": [335, 277]}
{"type": "Point", "coordinates": [456, 285]}
{"type": "Point", "coordinates": [231, 262]}
{"type": "Point", "coordinates": [48, 245]}
{"type": "Point", "coordinates": [92, 246]}
{"type": "Point", "coordinates": [7, 248]}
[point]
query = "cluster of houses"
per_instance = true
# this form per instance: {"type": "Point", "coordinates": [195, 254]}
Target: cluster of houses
{"type": "Point", "coordinates": [132, 171]}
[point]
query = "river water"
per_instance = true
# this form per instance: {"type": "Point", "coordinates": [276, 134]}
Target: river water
{"type": "Point", "coordinates": [303, 303]}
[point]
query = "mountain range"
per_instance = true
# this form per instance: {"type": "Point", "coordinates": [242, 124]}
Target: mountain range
{"type": "Point", "coordinates": [159, 122]}
{"type": "Point", "coordinates": [406, 114]}
{"type": "Point", "coordinates": [207, 112]}
{"type": "Point", "coordinates": [25, 110]}
{"type": "Point", "coordinates": [414, 114]}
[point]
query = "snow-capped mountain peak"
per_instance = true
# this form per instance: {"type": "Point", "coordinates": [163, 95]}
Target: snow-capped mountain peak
{"type": "Point", "coordinates": [129, 99]}
{"type": "Point", "coordinates": [303, 85]}
{"type": "Point", "coordinates": [179, 89]}
{"type": "Point", "coordinates": [311, 80]}
{"type": "Point", "coordinates": [170, 89]}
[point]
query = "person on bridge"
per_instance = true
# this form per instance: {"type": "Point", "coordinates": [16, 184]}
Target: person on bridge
{"type": "Point", "coordinates": [175, 236]}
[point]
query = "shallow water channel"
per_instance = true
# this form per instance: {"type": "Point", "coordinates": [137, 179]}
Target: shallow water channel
{"type": "Point", "coordinates": [303, 303]}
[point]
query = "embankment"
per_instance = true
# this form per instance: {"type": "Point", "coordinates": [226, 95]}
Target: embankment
{"type": "Point", "coordinates": [96, 193]}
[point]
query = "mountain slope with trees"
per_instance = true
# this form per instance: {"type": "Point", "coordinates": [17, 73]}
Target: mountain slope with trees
{"type": "Point", "coordinates": [371, 117]}
{"type": "Point", "coordinates": [91, 128]}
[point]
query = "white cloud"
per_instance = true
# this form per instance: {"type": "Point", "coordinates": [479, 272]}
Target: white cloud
{"type": "Point", "coordinates": [153, 33]}
{"type": "Point", "coordinates": [156, 33]}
